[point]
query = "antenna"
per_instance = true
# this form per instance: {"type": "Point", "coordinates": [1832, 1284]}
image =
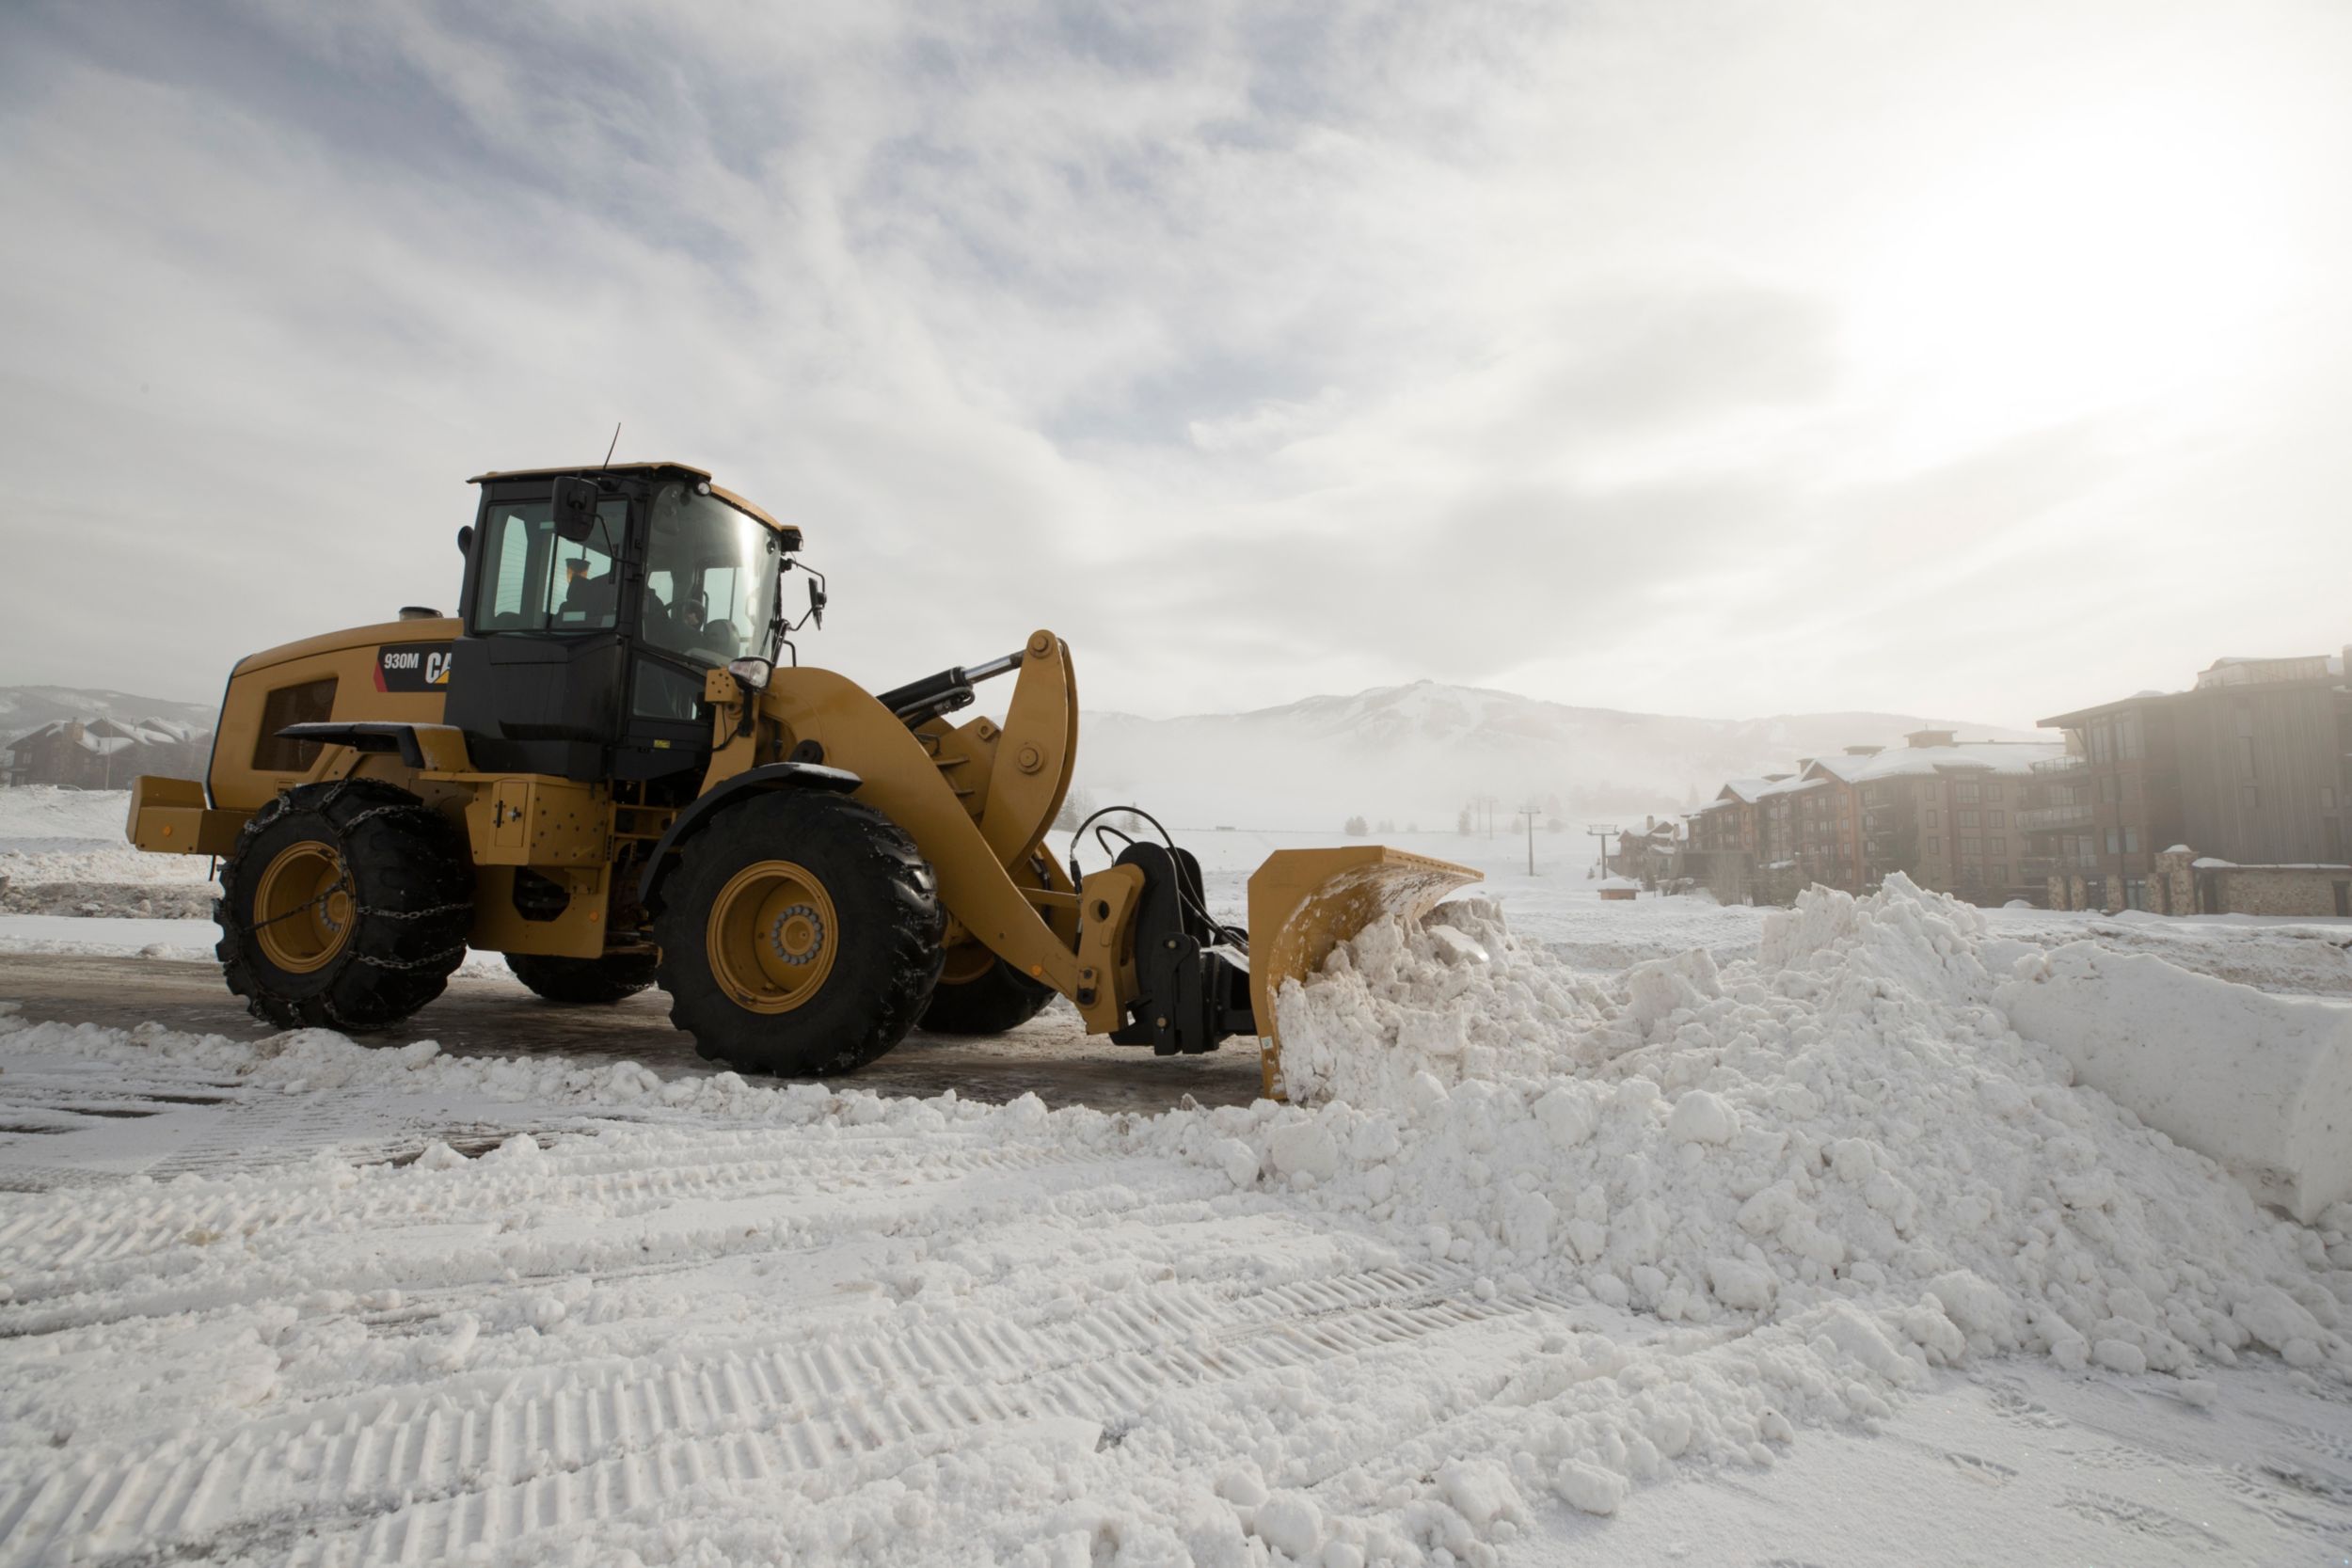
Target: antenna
{"type": "Point", "coordinates": [615, 446]}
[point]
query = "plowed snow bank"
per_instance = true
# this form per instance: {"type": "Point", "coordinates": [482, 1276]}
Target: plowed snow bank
{"type": "Point", "coordinates": [2263, 1084]}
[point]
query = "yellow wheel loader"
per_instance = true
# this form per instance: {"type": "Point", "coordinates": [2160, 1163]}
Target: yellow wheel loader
{"type": "Point", "coordinates": [600, 769]}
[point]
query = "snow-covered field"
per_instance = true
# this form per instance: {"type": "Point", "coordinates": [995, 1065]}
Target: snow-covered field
{"type": "Point", "coordinates": [62, 853]}
{"type": "Point", "coordinates": [1649, 1232]}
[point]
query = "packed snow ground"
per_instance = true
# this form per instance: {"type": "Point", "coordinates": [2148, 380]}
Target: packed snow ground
{"type": "Point", "coordinates": [1781, 1243]}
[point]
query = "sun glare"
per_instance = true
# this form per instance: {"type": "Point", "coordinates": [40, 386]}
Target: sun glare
{"type": "Point", "coordinates": [2120, 255]}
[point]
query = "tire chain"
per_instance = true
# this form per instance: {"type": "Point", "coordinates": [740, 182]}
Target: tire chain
{"type": "Point", "coordinates": [276, 807]}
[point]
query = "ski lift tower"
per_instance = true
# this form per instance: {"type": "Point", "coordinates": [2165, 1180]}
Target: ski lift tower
{"type": "Point", "coordinates": [1603, 832]}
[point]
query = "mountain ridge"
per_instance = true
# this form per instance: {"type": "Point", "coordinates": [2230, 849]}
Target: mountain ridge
{"type": "Point", "coordinates": [1421, 751]}
{"type": "Point", "coordinates": [1428, 749]}
{"type": "Point", "coordinates": [1858, 715]}
{"type": "Point", "coordinates": [26, 708]}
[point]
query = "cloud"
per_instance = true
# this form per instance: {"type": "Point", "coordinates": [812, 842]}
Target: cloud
{"type": "Point", "coordinates": [1259, 349]}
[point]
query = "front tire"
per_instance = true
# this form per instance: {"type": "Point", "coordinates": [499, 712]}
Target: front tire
{"type": "Point", "coordinates": [343, 906]}
{"type": "Point", "coordinates": [584, 982]}
{"type": "Point", "coordinates": [800, 935]}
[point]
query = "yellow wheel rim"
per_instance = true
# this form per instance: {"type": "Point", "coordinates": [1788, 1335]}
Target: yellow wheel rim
{"type": "Point", "coordinates": [772, 936]}
{"type": "Point", "coordinates": [302, 910]}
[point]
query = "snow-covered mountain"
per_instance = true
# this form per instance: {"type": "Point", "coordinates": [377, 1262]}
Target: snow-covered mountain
{"type": "Point", "coordinates": [25, 708]}
{"type": "Point", "coordinates": [1412, 753]}
{"type": "Point", "coordinates": [1419, 753]}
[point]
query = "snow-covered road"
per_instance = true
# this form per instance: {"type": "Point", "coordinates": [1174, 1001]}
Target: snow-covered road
{"type": "Point", "coordinates": [759, 1325]}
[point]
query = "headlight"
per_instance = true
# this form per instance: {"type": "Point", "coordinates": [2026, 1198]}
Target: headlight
{"type": "Point", "coordinates": [752, 672]}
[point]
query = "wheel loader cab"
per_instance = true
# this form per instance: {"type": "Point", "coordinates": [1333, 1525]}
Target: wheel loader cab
{"type": "Point", "coordinates": [587, 635]}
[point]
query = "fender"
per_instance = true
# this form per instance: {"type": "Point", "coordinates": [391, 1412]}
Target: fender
{"type": "Point", "coordinates": [426, 747]}
{"type": "Point", "coordinates": [774, 775]}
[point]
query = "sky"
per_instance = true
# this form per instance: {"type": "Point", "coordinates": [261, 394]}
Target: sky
{"type": "Point", "coordinates": [1712, 358]}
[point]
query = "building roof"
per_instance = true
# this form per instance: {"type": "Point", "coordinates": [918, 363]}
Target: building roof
{"type": "Point", "coordinates": [1997, 758]}
{"type": "Point", "coordinates": [2261, 672]}
{"type": "Point", "coordinates": [2081, 715]}
{"type": "Point", "coordinates": [105, 737]}
{"type": "Point", "coordinates": [2221, 674]}
{"type": "Point", "coordinates": [1859, 764]}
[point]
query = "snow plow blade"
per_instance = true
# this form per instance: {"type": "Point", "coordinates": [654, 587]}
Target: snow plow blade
{"type": "Point", "coordinates": [1304, 902]}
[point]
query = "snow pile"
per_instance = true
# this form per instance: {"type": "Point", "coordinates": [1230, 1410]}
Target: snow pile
{"type": "Point", "coordinates": [1459, 998]}
{"type": "Point", "coordinates": [2263, 1084]}
{"type": "Point", "coordinates": [1847, 1130]}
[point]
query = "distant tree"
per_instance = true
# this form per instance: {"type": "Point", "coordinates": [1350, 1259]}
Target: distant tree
{"type": "Point", "coordinates": [1413, 826]}
{"type": "Point", "coordinates": [1462, 822]}
{"type": "Point", "coordinates": [1387, 826]}
{"type": "Point", "coordinates": [1355, 827]}
{"type": "Point", "coordinates": [1553, 825]}
{"type": "Point", "coordinates": [1075, 808]}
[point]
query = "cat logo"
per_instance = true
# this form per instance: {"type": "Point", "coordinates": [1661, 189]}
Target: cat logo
{"type": "Point", "coordinates": [412, 667]}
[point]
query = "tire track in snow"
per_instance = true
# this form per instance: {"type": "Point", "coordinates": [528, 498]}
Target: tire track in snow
{"type": "Point", "coordinates": [79, 1244]}
{"type": "Point", "coordinates": [427, 1473]}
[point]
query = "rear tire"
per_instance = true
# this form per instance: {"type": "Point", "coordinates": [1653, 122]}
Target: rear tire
{"type": "Point", "coordinates": [585, 982]}
{"type": "Point", "coordinates": [800, 935]}
{"type": "Point", "coordinates": [999, 998]}
{"type": "Point", "coordinates": [343, 906]}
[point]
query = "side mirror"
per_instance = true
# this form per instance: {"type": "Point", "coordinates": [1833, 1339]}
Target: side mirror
{"type": "Point", "coordinates": [816, 602]}
{"type": "Point", "coordinates": [576, 508]}
{"type": "Point", "coordinates": [465, 540]}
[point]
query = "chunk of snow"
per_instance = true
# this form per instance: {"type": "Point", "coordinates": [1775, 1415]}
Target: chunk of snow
{"type": "Point", "coordinates": [1304, 1145]}
{"type": "Point", "coordinates": [1701, 1118]}
{"type": "Point", "coordinates": [1480, 1490]}
{"type": "Point", "coordinates": [1236, 1158]}
{"type": "Point", "coordinates": [1589, 1487]}
{"type": "Point", "coordinates": [2118, 1356]}
{"type": "Point", "coordinates": [1290, 1523]}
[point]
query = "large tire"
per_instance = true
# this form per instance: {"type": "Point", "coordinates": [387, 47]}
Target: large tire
{"type": "Point", "coordinates": [998, 998]}
{"type": "Point", "coordinates": [585, 982]}
{"type": "Point", "coordinates": [800, 935]}
{"type": "Point", "coordinates": [343, 906]}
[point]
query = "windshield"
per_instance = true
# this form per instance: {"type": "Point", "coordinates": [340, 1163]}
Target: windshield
{"type": "Point", "coordinates": [710, 578]}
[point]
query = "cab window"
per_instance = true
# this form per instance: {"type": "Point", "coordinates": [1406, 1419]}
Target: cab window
{"type": "Point", "coordinates": [533, 581]}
